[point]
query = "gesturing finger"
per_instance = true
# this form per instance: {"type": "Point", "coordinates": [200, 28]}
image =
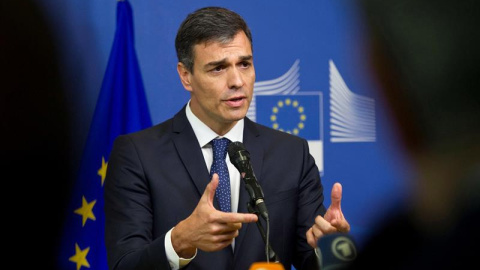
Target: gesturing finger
{"type": "Point", "coordinates": [323, 226]}
{"type": "Point", "coordinates": [341, 224]}
{"type": "Point", "coordinates": [210, 189]}
{"type": "Point", "coordinates": [224, 228]}
{"type": "Point", "coordinates": [228, 217]}
{"type": "Point", "coordinates": [311, 239]}
{"type": "Point", "coordinates": [336, 196]}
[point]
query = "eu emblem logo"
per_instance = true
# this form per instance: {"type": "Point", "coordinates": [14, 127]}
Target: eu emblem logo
{"type": "Point", "coordinates": [298, 114]}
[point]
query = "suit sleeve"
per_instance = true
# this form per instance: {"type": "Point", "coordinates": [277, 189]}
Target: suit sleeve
{"type": "Point", "coordinates": [310, 204]}
{"type": "Point", "coordinates": [129, 239]}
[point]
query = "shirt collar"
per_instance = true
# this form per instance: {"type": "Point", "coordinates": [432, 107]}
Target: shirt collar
{"type": "Point", "coordinates": [205, 134]}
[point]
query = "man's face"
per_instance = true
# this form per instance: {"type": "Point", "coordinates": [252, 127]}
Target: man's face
{"type": "Point", "coordinates": [221, 84]}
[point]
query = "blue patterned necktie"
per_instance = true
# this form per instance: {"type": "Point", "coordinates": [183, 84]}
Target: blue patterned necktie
{"type": "Point", "coordinates": [219, 166]}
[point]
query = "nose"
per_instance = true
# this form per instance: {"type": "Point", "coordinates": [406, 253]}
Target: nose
{"type": "Point", "coordinates": [235, 79]}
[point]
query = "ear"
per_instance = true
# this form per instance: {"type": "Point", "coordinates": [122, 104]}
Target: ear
{"type": "Point", "coordinates": [184, 75]}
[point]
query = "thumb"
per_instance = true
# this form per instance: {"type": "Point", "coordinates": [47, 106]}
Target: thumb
{"type": "Point", "coordinates": [209, 192]}
{"type": "Point", "coordinates": [336, 195]}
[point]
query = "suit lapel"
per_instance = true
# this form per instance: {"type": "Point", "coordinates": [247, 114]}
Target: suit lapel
{"type": "Point", "coordinates": [189, 151]}
{"type": "Point", "coordinates": [192, 158]}
{"type": "Point", "coordinates": [252, 143]}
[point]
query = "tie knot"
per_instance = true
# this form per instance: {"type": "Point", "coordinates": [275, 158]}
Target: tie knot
{"type": "Point", "coordinates": [220, 147]}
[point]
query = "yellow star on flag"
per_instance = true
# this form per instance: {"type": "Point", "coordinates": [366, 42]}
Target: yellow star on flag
{"type": "Point", "coordinates": [86, 210]}
{"type": "Point", "coordinates": [103, 170]}
{"type": "Point", "coordinates": [80, 257]}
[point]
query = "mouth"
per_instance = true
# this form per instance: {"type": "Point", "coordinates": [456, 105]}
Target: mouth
{"type": "Point", "coordinates": [236, 102]}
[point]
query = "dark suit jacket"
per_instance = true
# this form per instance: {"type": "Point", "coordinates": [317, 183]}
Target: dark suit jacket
{"type": "Point", "coordinates": [156, 177]}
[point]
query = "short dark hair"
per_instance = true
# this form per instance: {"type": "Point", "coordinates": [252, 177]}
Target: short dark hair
{"type": "Point", "coordinates": [207, 24]}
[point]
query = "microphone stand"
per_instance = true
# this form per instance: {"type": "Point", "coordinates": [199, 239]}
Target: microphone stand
{"type": "Point", "coordinates": [271, 255]}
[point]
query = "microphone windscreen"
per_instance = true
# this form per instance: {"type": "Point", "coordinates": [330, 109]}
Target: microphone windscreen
{"type": "Point", "coordinates": [266, 266]}
{"type": "Point", "coordinates": [239, 156]}
{"type": "Point", "coordinates": [234, 148]}
{"type": "Point", "coordinates": [336, 251]}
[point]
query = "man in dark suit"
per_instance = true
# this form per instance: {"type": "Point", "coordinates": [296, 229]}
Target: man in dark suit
{"type": "Point", "coordinates": [160, 200]}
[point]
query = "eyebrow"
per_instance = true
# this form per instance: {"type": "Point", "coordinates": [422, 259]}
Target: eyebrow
{"type": "Point", "coordinates": [224, 60]}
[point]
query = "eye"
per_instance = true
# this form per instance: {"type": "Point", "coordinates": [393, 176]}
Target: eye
{"type": "Point", "coordinates": [245, 64]}
{"type": "Point", "coordinates": [218, 69]}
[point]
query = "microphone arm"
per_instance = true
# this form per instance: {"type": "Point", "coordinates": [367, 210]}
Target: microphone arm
{"type": "Point", "coordinates": [240, 158]}
{"type": "Point", "coordinates": [253, 188]}
{"type": "Point", "coordinates": [271, 255]}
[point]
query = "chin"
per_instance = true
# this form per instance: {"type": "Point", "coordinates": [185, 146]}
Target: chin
{"type": "Point", "coordinates": [237, 113]}
{"type": "Point", "coordinates": [237, 116]}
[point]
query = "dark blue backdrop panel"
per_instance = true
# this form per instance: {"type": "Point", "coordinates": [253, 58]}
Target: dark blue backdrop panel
{"type": "Point", "coordinates": [311, 52]}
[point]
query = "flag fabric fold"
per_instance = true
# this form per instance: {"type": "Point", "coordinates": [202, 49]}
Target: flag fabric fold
{"type": "Point", "coordinates": [121, 108]}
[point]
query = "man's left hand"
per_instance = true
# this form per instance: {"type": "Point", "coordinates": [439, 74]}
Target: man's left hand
{"type": "Point", "coordinates": [332, 222]}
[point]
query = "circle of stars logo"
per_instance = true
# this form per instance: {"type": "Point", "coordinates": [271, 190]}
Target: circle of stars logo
{"type": "Point", "coordinates": [288, 106]}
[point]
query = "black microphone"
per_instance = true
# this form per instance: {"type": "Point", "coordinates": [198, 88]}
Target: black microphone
{"type": "Point", "coordinates": [240, 158]}
{"type": "Point", "coordinates": [336, 251]}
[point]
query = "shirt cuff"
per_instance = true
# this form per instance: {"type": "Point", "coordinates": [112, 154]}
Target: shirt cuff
{"type": "Point", "coordinates": [174, 260]}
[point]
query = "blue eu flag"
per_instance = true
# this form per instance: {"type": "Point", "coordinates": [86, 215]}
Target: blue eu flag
{"type": "Point", "coordinates": [121, 108]}
{"type": "Point", "coordinates": [295, 114]}
{"type": "Point", "coordinates": [299, 114]}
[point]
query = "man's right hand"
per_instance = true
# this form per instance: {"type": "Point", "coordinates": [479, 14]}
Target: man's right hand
{"type": "Point", "coordinates": [207, 228]}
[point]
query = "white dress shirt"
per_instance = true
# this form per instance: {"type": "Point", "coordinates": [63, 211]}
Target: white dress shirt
{"type": "Point", "coordinates": [204, 136]}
